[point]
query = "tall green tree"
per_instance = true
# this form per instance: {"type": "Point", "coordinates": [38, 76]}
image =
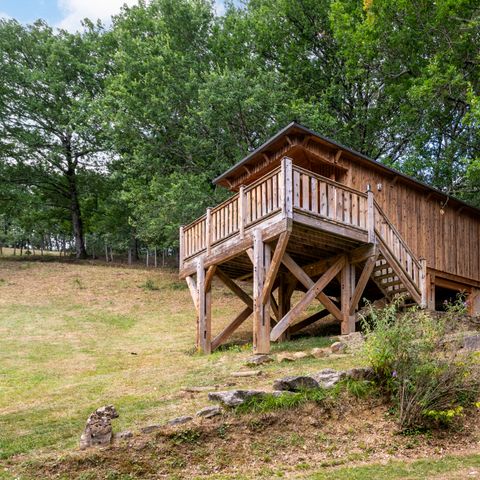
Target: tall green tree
{"type": "Point", "coordinates": [50, 129]}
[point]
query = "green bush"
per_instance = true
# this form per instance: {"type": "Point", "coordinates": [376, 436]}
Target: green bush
{"type": "Point", "coordinates": [428, 378]}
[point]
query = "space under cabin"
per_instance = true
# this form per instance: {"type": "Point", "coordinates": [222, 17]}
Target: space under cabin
{"type": "Point", "coordinates": [309, 215]}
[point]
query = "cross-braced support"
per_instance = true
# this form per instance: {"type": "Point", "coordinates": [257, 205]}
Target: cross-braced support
{"type": "Point", "coordinates": [267, 259]}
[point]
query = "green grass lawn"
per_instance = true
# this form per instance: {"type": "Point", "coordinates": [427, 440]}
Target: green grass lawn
{"type": "Point", "coordinates": [74, 337]}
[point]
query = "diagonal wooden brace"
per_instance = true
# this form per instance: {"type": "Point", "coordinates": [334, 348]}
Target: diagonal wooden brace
{"type": "Point", "coordinates": [362, 282]}
{"type": "Point", "coordinates": [228, 282]}
{"type": "Point", "coordinates": [311, 294]}
{"type": "Point", "coordinates": [307, 282]}
{"type": "Point", "coordinates": [274, 265]}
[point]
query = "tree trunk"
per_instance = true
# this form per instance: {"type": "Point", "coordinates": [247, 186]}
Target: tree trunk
{"type": "Point", "coordinates": [77, 222]}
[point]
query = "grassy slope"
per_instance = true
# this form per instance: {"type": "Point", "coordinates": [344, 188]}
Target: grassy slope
{"type": "Point", "coordinates": [67, 334]}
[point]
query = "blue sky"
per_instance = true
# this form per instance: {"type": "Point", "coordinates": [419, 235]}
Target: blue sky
{"type": "Point", "coordinates": [66, 13]}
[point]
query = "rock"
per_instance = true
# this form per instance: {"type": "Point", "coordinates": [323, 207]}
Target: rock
{"type": "Point", "coordinates": [320, 352]}
{"type": "Point", "coordinates": [151, 428]}
{"type": "Point", "coordinates": [338, 347]}
{"type": "Point", "coordinates": [234, 398]}
{"type": "Point", "coordinates": [98, 430]}
{"type": "Point", "coordinates": [360, 373]}
{"type": "Point", "coordinates": [295, 383]}
{"type": "Point", "coordinates": [248, 373]}
{"type": "Point", "coordinates": [285, 357]}
{"type": "Point", "coordinates": [256, 360]}
{"type": "Point", "coordinates": [209, 412]}
{"type": "Point", "coordinates": [300, 355]}
{"type": "Point", "coordinates": [354, 341]}
{"type": "Point", "coordinates": [123, 435]}
{"type": "Point", "coordinates": [179, 420]}
{"type": "Point", "coordinates": [328, 377]}
{"type": "Point", "coordinates": [472, 343]}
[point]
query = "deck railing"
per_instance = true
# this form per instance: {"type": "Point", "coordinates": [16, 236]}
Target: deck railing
{"type": "Point", "coordinates": [397, 246]}
{"type": "Point", "coordinates": [286, 188]}
{"type": "Point", "coordinates": [326, 198]}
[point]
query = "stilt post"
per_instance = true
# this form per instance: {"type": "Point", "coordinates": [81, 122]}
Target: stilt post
{"type": "Point", "coordinates": [347, 281]}
{"type": "Point", "coordinates": [204, 324]}
{"type": "Point", "coordinates": [261, 311]}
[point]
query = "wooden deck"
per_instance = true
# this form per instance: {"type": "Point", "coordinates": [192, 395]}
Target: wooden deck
{"type": "Point", "coordinates": [294, 229]}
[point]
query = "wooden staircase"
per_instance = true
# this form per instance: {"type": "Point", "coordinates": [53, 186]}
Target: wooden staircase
{"type": "Point", "coordinates": [397, 272]}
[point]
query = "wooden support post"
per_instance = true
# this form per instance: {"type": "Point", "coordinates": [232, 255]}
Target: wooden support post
{"type": "Point", "coordinates": [208, 228]}
{"type": "Point", "coordinates": [204, 310]}
{"type": "Point", "coordinates": [287, 187]}
{"type": "Point", "coordinates": [242, 211]}
{"type": "Point", "coordinates": [370, 217]}
{"type": "Point", "coordinates": [348, 320]}
{"type": "Point", "coordinates": [261, 313]}
{"type": "Point", "coordinates": [423, 283]}
{"type": "Point", "coordinates": [181, 248]}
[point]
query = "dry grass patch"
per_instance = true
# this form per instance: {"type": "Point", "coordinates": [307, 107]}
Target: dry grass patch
{"type": "Point", "coordinates": [74, 336]}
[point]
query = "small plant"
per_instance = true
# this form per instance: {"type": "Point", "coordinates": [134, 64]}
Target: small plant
{"type": "Point", "coordinates": [78, 283]}
{"type": "Point", "coordinates": [149, 284]}
{"type": "Point", "coordinates": [190, 435]}
{"type": "Point", "coordinates": [428, 383]}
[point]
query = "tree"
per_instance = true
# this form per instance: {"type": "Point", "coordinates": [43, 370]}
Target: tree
{"type": "Point", "coordinates": [50, 129]}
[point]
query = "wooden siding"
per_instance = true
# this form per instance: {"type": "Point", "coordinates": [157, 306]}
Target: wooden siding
{"type": "Point", "coordinates": [449, 241]}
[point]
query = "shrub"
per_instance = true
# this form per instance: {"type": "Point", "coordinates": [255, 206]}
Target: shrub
{"type": "Point", "coordinates": [428, 379]}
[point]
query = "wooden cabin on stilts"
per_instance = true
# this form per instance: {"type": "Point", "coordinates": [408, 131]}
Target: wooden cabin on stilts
{"type": "Point", "coordinates": [311, 215]}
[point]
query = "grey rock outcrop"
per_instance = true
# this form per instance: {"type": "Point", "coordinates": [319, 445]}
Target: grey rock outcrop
{"type": "Point", "coordinates": [98, 430]}
{"type": "Point", "coordinates": [328, 377]}
{"type": "Point", "coordinates": [179, 420]}
{"type": "Point", "coordinates": [295, 383]}
{"type": "Point", "coordinates": [209, 412]}
{"type": "Point", "coordinates": [234, 398]}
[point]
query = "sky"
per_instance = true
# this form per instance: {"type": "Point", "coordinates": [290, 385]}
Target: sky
{"type": "Point", "coordinates": [66, 14]}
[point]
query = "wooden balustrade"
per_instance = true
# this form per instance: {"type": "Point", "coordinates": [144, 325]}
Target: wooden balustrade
{"type": "Point", "coordinates": [392, 238]}
{"type": "Point", "coordinates": [326, 198]}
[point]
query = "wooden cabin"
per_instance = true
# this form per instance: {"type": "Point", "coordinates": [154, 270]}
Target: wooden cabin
{"type": "Point", "coordinates": [311, 215]}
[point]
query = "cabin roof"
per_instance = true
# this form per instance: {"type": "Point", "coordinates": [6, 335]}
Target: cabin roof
{"type": "Point", "coordinates": [296, 127]}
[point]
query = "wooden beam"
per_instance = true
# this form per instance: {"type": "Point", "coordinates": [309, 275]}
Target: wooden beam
{"type": "Point", "coordinates": [311, 294]}
{"type": "Point", "coordinates": [308, 321]}
{"type": "Point", "coordinates": [209, 277]}
{"type": "Point", "coordinates": [192, 286]}
{"type": "Point", "coordinates": [261, 310]}
{"type": "Point", "coordinates": [347, 281]}
{"type": "Point", "coordinates": [228, 282]}
{"type": "Point", "coordinates": [275, 265]}
{"type": "Point", "coordinates": [362, 282]}
{"type": "Point", "coordinates": [204, 310]}
{"type": "Point", "coordinates": [231, 327]}
{"type": "Point", "coordinates": [274, 306]}
{"type": "Point", "coordinates": [307, 282]}
{"type": "Point", "coordinates": [363, 253]}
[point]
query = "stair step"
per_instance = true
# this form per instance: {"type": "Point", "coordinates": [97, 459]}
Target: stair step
{"type": "Point", "coordinates": [384, 276]}
{"type": "Point", "coordinates": [391, 284]}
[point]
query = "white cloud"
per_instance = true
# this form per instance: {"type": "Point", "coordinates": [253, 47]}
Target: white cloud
{"type": "Point", "coordinates": [77, 10]}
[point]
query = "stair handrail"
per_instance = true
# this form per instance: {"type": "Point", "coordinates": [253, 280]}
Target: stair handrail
{"type": "Point", "coordinates": [397, 234]}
